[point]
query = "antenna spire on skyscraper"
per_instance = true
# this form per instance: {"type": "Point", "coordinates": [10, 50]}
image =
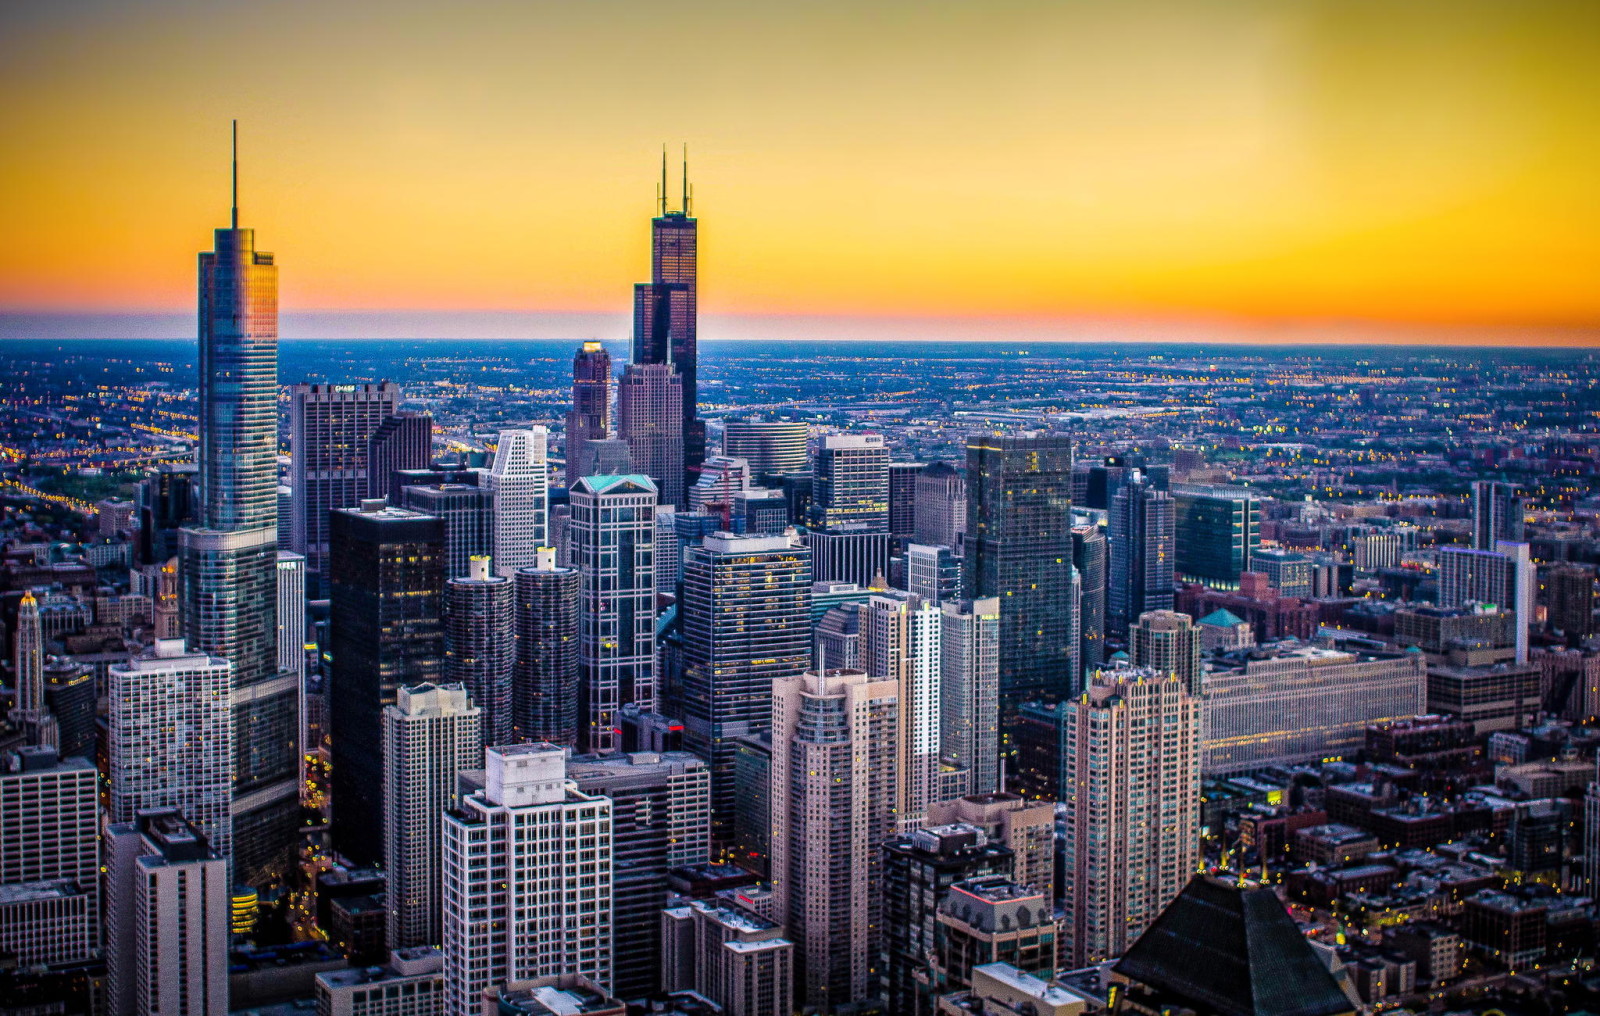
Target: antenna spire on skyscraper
{"type": "Point", "coordinates": [661, 197]}
{"type": "Point", "coordinates": [686, 178]}
{"type": "Point", "coordinates": [235, 218]}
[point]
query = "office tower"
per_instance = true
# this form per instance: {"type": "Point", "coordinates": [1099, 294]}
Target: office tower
{"type": "Point", "coordinates": [649, 418]}
{"type": "Point", "coordinates": [1168, 642]}
{"type": "Point", "coordinates": [1131, 788]}
{"type": "Point", "coordinates": [31, 712]}
{"type": "Point", "coordinates": [608, 457]}
{"type": "Point", "coordinates": [527, 877]}
{"type": "Point", "coordinates": [171, 739]}
{"type": "Point", "coordinates": [1498, 513]}
{"type": "Point", "coordinates": [292, 634]}
{"type": "Point", "coordinates": [1141, 554]}
{"type": "Point", "coordinates": [469, 517]}
{"type": "Point", "coordinates": [969, 693]}
{"type": "Point", "coordinates": [480, 645]}
{"type": "Point", "coordinates": [919, 869]}
{"type": "Point", "coordinates": [759, 511]}
{"type": "Point", "coordinates": [933, 573]}
{"type": "Point", "coordinates": [1504, 576]}
{"type": "Point", "coordinates": [721, 477]}
{"type": "Point", "coordinates": [47, 922]}
{"type": "Point", "coordinates": [772, 447]}
{"type": "Point", "coordinates": [900, 641]}
{"type": "Point", "coordinates": [521, 498]}
{"type": "Point", "coordinates": [837, 642]}
{"type": "Point", "coordinates": [850, 552]}
{"type": "Point", "coordinates": [1570, 598]}
{"type": "Point", "coordinates": [939, 507]}
{"type": "Point", "coordinates": [746, 621]}
{"type": "Point", "coordinates": [330, 427]}
{"type": "Point", "coordinates": [410, 984]}
{"type": "Point", "coordinates": [401, 442]}
{"type": "Point", "coordinates": [665, 318]}
{"type": "Point", "coordinates": [731, 956]}
{"type": "Point", "coordinates": [544, 686]}
{"type": "Point", "coordinates": [990, 918]}
{"type": "Point", "coordinates": [230, 554]}
{"type": "Point", "coordinates": [613, 546]}
{"type": "Point", "coordinates": [1019, 548]}
{"type": "Point", "coordinates": [167, 497]}
{"type": "Point", "coordinates": [166, 919]}
{"type": "Point", "coordinates": [430, 734]}
{"type": "Point", "coordinates": [387, 632]}
{"type": "Point", "coordinates": [1216, 531]}
{"type": "Point", "coordinates": [903, 478]}
{"type": "Point", "coordinates": [1103, 479]}
{"type": "Point", "coordinates": [70, 698]}
{"type": "Point", "coordinates": [660, 820]}
{"type": "Point", "coordinates": [1026, 828]}
{"type": "Point", "coordinates": [590, 416]}
{"type": "Point", "coordinates": [49, 855]}
{"type": "Point", "coordinates": [834, 748]}
{"type": "Point", "coordinates": [669, 551]}
{"type": "Point", "coordinates": [848, 519]}
{"type": "Point", "coordinates": [285, 517]}
{"type": "Point", "coordinates": [1090, 557]}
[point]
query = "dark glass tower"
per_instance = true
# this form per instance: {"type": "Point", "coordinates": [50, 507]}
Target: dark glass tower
{"type": "Point", "coordinates": [1019, 548]}
{"type": "Point", "coordinates": [665, 316]}
{"type": "Point", "coordinates": [387, 571]}
{"type": "Point", "coordinates": [1142, 554]}
{"type": "Point", "coordinates": [590, 417]}
{"type": "Point", "coordinates": [228, 598]}
{"type": "Point", "coordinates": [403, 441]}
{"type": "Point", "coordinates": [1089, 556]}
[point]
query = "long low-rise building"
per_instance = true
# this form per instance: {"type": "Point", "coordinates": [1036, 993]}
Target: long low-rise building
{"type": "Point", "coordinates": [1291, 702]}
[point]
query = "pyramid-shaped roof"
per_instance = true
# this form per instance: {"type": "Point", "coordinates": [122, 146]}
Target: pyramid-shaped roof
{"type": "Point", "coordinates": [616, 484]}
{"type": "Point", "coordinates": [1234, 951]}
{"type": "Point", "coordinates": [1222, 617]}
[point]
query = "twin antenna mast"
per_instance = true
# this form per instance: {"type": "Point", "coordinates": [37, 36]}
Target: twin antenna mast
{"type": "Point", "coordinates": [686, 195]}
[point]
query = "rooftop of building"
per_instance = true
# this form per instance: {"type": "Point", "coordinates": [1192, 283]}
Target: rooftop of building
{"type": "Point", "coordinates": [33, 892]}
{"type": "Point", "coordinates": [572, 998]}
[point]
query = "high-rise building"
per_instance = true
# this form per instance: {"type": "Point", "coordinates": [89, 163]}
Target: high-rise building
{"type": "Point", "coordinates": [1026, 828]}
{"type": "Point", "coordinates": [1569, 594]}
{"type": "Point", "coordinates": [70, 695]}
{"type": "Point", "coordinates": [171, 739]}
{"type": "Point", "coordinates": [1131, 787]}
{"type": "Point", "coordinates": [1498, 513]}
{"type": "Point", "coordinates": [230, 555]}
{"type": "Point", "coordinates": [660, 820]}
{"type": "Point", "coordinates": [387, 632]}
{"type": "Point", "coordinates": [849, 514]}
{"type": "Point", "coordinates": [590, 416]}
{"type": "Point", "coordinates": [613, 543]}
{"type": "Point", "coordinates": [759, 510]}
{"type": "Point", "coordinates": [731, 956]}
{"type": "Point", "coordinates": [1169, 643]}
{"type": "Point", "coordinates": [402, 442]}
{"type": "Point", "coordinates": [903, 478]}
{"type": "Point", "coordinates": [430, 735]}
{"type": "Point", "coordinates": [919, 868]}
{"type": "Point", "coordinates": [1503, 576]}
{"type": "Point", "coordinates": [772, 447]}
{"type": "Point", "coordinates": [722, 477]}
{"type": "Point", "coordinates": [1090, 557]}
{"type": "Point", "coordinates": [544, 686]}
{"type": "Point", "coordinates": [1217, 531]}
{"type": "Point", "coordinates": [167, 501]}
{"type": "Point", "coordinates": [854, 552]}
{"type": "Point", "coordinates": [969, 667]}
{"type": "Point", "coordinates": [745, 620]}
{"type": "Point", "coordinates": [32, 713]}
{"type": "Point", "coordinates": [527, 877]}
{"type": "Point", "coordinates": [665, 316]}
{"type": "Point", "coordinates": [1141, 554]}
{"type": "Point", "coordinates": [468, 513]}
{"type": "Point", "coordinates": [51, 819]}
{"type": "Point", "coordinates": [834, 749]}
{"type": "Point", "coordinates": [933, 573]}
{"type": "Point", "coordinates": [649, 418]}
{"type": "Point", "coordinates": [900, 641]}
{"type": "Point", "coordinates": [990, 918]}
{"type": "Point", "coordinates": [521, 488]}
{"type": "Point", "coordinates": [292, 632]}
{"type": "Point", "coordinates": [939, 511]}
{"type": "Point", "coordinates": [166, 919]}
{"type": "Point", "coordinates": [330, 429]}
{"type": "Point", "coordinates": [480, 645]}
{"type": "Point", "coordinates": [1019, 548]}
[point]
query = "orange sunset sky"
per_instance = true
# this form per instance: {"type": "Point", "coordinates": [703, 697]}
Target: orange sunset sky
{"type": "Point", "coordinates": [1262, 169]}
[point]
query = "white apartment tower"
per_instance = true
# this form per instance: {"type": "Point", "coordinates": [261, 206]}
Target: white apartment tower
{"type": "Point", "coordinates": [900, 640]}
{"type": "Point", "coordinates": [527, 878]}
{"type": "Point", "coordinates": [969, 690]}
{"type": "Point", "coordinates": [292, 631]}
{"type": "Point", "coordinates": [520, 482]}
{"type": "Point", "coordinates": [430, 735]}
{"type": "Point", "coordinates": [1504, 576]}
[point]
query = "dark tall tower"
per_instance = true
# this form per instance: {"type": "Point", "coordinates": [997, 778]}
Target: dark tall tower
{"type": "Point", "coordinates": [590, 417]}
{"type": "Point", "coordinates": [1089, 556]}
{"type": "Point", "coordinates": [665, 317]}
{"type": "Point", "coordinates": [1019, 548]}
{"type": "Point", "coordinates": [480, 645]}
{"type": "Point", "coordinates": [229, 571]}
{"type": "Point", "coordinates": [403, 441]}
{"type": "Point", "coordinates": [544, 691]}
{"type": "Point", "coordinates": [387, 571]}
{"type": "Point", "coordinates": [1497, 514]}
{"type": "Point", "coordinates": [649, 401]}
{"type": "Point", "coordinates": [1142, 554]}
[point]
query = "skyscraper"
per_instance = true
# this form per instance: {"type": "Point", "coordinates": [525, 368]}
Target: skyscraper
{"type": "Point", "coordinates": [544, 686]}
{"type": "Point", "coordinates": [430, 735]}
{"type": "Point", "coordinates": [171, 739]}
{"type": "Point", "coordinates": [330, 429]}
{"type": "Point", "coordinates": [590, 416]}
{"type": "Point", "coordinates": [939, 511]}
{"type": "Point", "coordinates": [401, 442]}
{"type": "Point", "coordinates": [746, 621]}
{"type": "Point", "coordinates": [1498, 513]}
{"type": "Point", "coordinates": [387, 632]}
{"type": "Point", "coordinates": [665, 315]}
{"type": "Point", "coordinates": [1090, 557]}
{"type": "Point", "coordinates": [969, 693]}
{"type": "Point", "coordinates": [1141, 553]}
{"type": "Point", "coordinates": [848, 520]}
{"type": "Point", "coordinates": [1169, 643]}
{"type": "Point", "coordinates": [933, 573]}
{"type": "Point", "coordinates": [521, 498]}
{"type": "Point", "coordinates": [527, 878]}
{"type": "Point", "coordinates": [772, 447]}
{"type": "Point", "coordinates": [834, 746]}
{"type": "Point", "coordinates": [480, 645]}
{"type": "Point", "coordinates": [230, 557]}
{"type": "Point", "coordinates": [292, 629]}
{"type": "Point", "coordinates": [1216, 533]}
{"type": "Point", "coordinates": [1503, 576]}
{"type": "Point", "coordinates": [900, 641]}
{"type": "Point", "coordinates": [729, 955]}
{"type": "Point", "coordinates": [903, 478]}
{"type": "Point", "coordinates": [31, 712]}
{"type": "Point", "coordinates": [51, 817]}
{"type": "Point", "coordinates": [613, 542]}
{"type": "Point", "coordinates": [1019, 548]}
{"type": "Point", "coordinates": [649, 418]}
{"type": "Point", "coordinates": [1130, 776]}
{"type": "Point", "coordinates": [469, 518]}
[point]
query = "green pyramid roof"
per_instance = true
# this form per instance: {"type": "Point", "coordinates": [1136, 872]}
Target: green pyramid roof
{"type": "Point", "coordinates": [1222, 617]}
